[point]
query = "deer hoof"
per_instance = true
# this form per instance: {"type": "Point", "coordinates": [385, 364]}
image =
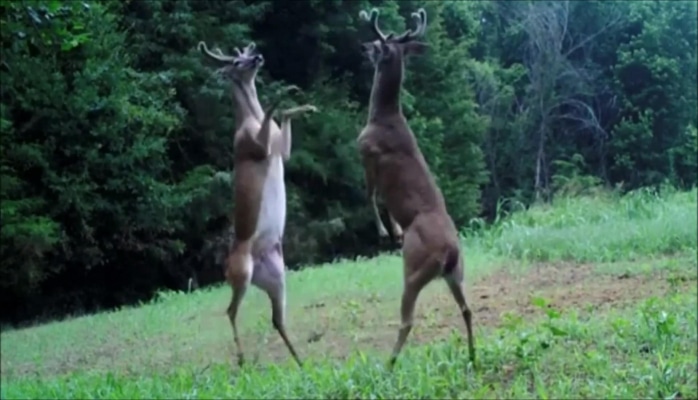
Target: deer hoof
{"type": "Point", "coordinates": [397, 232]}
{"type": "Point", "coordinates": [309, 107]}
{"type": "Point", "coordinates": [390, 365]}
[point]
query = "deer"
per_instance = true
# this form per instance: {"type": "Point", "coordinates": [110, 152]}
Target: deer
{"type": "Point", "coordinates": [261, 147]}
{"type": "Point", "coordinates": [395, 168]}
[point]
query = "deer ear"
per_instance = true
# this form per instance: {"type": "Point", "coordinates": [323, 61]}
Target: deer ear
{"type": "Point", "coordinates": [415, 48]}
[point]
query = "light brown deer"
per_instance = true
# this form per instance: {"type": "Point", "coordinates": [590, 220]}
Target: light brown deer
{"type": "Point", "coordinates": [256, 253]}
{"type": "Point", "coordinates": [395, 168]}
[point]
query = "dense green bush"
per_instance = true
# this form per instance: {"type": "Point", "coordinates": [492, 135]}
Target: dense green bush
{"type": "Point", "coordinates": [117, 137]}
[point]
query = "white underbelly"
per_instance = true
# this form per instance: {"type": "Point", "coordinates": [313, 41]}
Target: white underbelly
{"type": "Point", "coordinates": [272, 213]}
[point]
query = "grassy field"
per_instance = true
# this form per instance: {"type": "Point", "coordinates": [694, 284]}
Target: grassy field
{"type": "Point", "coordinates": [587, 298]}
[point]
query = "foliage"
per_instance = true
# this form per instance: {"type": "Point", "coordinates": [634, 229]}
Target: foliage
{"type": "Point", "coordinates": [117, 136]}
{"type": "Point", "coordinates": [601, 227]}
{"type": "Point", "coordinates": [656, 75]}
{"type": "Point", "coordinates": [85, 180]}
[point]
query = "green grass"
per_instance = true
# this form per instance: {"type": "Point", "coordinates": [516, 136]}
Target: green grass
{"type": "Point", "coordinates": [601, 228]}
{"type": "Point", "coordinates": [588, 298]}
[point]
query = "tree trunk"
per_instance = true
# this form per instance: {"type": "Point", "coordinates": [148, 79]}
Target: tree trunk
{"type": "Point", "coordinates": [540, 180]}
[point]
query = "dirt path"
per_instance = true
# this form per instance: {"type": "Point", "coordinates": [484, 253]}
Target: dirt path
{"type": "Point", "coordinates": [337, 326]}
{"type": "Point", "coordinates": [564, 285]}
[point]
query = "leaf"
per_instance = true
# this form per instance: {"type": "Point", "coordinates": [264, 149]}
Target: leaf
{"type": "Point", "coordinates": [557, 331]}
{"type": "Point", "coordinates": [54, 5]}
{"type": "Point", "coordinates": [552, 314]}
{"type": "Point", "coordinates": [34, 15]}
{"type": "Point", "coordinates": [69, 44]}
{"type": "Point", "coordinates": [539, 302]}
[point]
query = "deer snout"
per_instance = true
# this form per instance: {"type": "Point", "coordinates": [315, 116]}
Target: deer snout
{"type": "Point", "coordinates": [258, 59]}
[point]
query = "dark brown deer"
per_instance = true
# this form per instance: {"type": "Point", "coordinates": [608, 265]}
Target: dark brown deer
{"type": "Point", "coordinates": [256, 254]}
{"type": "Point", "coordinates": [395, 168]}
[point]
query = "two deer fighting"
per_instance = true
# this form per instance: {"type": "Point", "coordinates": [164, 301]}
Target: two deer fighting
{"type": "Point", "coordinates": [394, 168]}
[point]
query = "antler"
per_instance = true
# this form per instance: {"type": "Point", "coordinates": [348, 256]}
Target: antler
{"type": "Point", "coordinates": [373, 19]}
{"type": "Point", "coordinates": [216, 54]}
{"type": "Point", "coordinates": [246, 51]}
{"type": "Point", "coordinates": [249, 48]}
{"type": "Point", "coordinates": [421, 17]}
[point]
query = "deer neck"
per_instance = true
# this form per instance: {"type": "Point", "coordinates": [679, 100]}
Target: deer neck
{"type": "Point", "coordinates": [245, 101]}
{"type": "Point", "coordinates": [385, 94]}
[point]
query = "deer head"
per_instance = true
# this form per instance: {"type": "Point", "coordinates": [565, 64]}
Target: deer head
{"type": "Point", "coordinates": [389, 50]}
{"type": "Point", "coordinates": [241, 67]}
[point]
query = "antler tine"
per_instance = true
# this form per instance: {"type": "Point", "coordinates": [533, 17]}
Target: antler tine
{"type": "Point", "coordinates": [249, 48]}
{"type": "Point", "coordinates": [373, 19]}
{"type": "Point", "coordinates": [422, 27]}
{"type": "Point", "coordinates": [216, 54]}
{"type": "Point", "coordinates": [421, 17]}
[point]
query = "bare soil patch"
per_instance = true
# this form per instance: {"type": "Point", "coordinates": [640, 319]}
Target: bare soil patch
{"type": "Point", "coordinates": [565, 286]}
{"type": "Point", "coordinates": [336, 325]}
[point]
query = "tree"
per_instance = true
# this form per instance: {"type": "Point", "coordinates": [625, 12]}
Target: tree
{"type": "Point", "coordinates": [656, 81]}
{"type": "Point", "coordinates": [117, 137]}
{"type": "Point", "coordinates": [561, 88]}
{"type": "Point", "coordinates": [88, 196]}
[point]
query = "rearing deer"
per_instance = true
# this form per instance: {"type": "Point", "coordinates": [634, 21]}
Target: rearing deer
{"type": "Point", "coordinates": [256, 254]}
{"type": "Point", "coordinates": [395, 167]}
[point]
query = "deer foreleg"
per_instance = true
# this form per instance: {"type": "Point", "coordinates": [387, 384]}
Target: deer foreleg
{"type": "Point", "coordinates": [382, 232]}
{"type": "Point", "coordinates": [396, 228]}
{"type": "Point", "coordinates": [264, 134]}
{"type": "Point", "coordinates": [286, 117]}
{"type": "Point", "coordinates": [292, 112]}
{"type": "Point", "coordinates": [370, 175]}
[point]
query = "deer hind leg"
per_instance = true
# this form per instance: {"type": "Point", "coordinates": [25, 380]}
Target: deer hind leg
{"type": "Point", "coordinates": [269, 275]}
{"type": "Point", "coordinates": [420, 269]}
{"type": "Point", "coordinates": [238, 273]}
{"type": "Point", "coordinates": [454, 280]}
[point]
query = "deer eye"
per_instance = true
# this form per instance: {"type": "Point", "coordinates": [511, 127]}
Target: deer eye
{"type": "Point", "coordinates": [236, 63]}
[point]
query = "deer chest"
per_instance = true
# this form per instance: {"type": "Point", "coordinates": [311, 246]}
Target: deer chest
{"type": "Point", "coordinates": [272, 213]}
